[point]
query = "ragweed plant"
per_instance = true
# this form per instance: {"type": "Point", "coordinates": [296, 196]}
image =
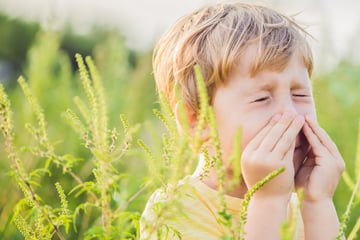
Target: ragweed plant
{"type": "Point", "coordinates": [45, 220]}
{"type": "Point", "coordinates": [106, 151]}
{"type": "Point", "coordinates": [37, 217]}
{"type": "Point", "coordinates": [167, 168]}
{"type": "Point", "coordinates": [354, 199]}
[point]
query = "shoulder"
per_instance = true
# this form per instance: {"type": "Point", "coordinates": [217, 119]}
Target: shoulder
{"type": "Point", "coordinates": [150, 221]}
{"type": "Point", "coordinates": [185, 210]}
{"type": "Point", "coordinates": [163, 211]}
{"type": "Point", "coordinates": [166, 202]}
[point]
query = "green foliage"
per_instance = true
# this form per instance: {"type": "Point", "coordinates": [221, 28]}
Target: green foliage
{"type": "Point", "coordinates": [88, 172]}
{"type": "Point", "coordinates": [354, 200]}
{"type": "Point", "coordinates": [35, 218]}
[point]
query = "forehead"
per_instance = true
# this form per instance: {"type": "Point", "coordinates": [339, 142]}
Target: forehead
{"type": "Point", "coordinates": [257, 55]}
{"type": "Point", "coordinates": [294, 72]}
{"type": "Point", "coordinates": [245, 61]}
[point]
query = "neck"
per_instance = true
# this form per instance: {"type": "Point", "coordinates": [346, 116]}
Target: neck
{"type": "Point", "coordinates": [233, 187]}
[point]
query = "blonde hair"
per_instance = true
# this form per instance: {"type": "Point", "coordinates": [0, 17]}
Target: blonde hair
{"type": "Point", "coordinates": [214, 37]}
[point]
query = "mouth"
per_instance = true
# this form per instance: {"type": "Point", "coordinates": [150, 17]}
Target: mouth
{"type": "Point", "coordinates": [299, 149]}
{"type": "Point", "coordinates": [301, 142]}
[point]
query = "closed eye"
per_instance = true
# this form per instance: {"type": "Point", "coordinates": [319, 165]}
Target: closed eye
{"type": "Point", "coordinates": [304, 98]}
{"type": "Point", "coordinates": [262, 99]}
{"type": "Point", "coordinates": [301, 95]}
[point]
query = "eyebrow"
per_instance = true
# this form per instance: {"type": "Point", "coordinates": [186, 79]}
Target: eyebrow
{"type": "Point", "coordinates": [267, 85]}
{"type": "Point", "coordinates": [270, 84]}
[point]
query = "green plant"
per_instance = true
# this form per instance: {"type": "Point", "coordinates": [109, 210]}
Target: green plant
{"type": "Point", "coordinates": [35, 216]}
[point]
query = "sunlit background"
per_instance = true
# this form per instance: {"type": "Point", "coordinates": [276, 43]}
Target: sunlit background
{"type": "Point", "coordinates": [334, 23]}
{"type": "Point", "coordinates": [39, 39]}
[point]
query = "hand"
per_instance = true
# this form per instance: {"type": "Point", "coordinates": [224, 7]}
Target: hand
{"type": "Point", "coordinates": [319, 175]}
{"type": "Point", "coordinates": [272, 148]}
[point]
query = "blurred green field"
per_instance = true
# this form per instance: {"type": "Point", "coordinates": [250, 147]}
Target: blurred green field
{"type": "Point", "coordinates": [129, 89]}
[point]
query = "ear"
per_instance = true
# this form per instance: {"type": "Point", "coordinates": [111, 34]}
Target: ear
{"type": "Point", "coordinates": [186, 120]}
{"type": "Point", "coordinates": [186, 117]}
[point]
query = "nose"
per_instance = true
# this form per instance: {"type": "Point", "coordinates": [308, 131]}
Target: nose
{"type": "Point", "coordinates": [286, 104]}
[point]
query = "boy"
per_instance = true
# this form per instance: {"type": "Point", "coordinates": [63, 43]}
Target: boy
{"type": "Point", "coordinates": [256, 65]}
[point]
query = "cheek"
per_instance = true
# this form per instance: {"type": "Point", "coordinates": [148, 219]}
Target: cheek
{"type": "Point", "coordinates": [251, 129]}
{"type": "Point", "coordinates": [250, 126]}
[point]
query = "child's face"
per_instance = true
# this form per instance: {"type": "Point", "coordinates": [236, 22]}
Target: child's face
{"type": "Point", "coordinates": [249, 102]}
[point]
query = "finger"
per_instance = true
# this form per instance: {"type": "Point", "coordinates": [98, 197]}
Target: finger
{"type": "Point", "coordinates": [256, 141]}
{"type": "Point", "coordinates": [323, 137]}
{"type": "Point", "coordinates": [289, 154]}
{"type": "Point", "coordinates": [313, 139]}
{"type": "Point", "coordinates": [277, 134]}
{"type": "Point", "coordinates": [273, 136]}
{"type": "Point", "coordinates": [287, 140]}
{"type": "Point", "coordinates": [285, 159]}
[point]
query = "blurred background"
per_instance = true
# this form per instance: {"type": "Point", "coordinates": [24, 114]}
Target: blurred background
{"type": "Point", "coordinates": [335, 24]}
{"type": "Point", "coordinates": [38, 40]}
